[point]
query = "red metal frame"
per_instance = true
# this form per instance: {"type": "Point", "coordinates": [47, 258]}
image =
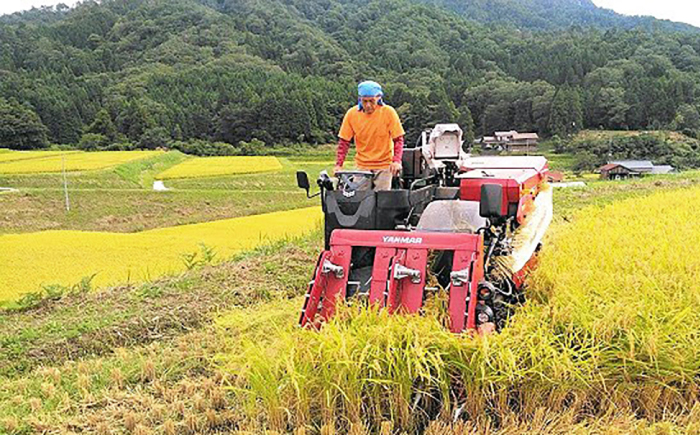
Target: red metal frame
{"type": "Point", "coordinates": [380, 275]}
{"type": "Point", "coordinates": [394, 248]}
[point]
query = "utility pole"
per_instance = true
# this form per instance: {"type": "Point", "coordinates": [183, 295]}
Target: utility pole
{"type": "Point", "coordinates": [65, 182]}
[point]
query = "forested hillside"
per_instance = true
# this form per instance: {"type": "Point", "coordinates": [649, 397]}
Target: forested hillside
{"type": "Point", "coordinates": [150, 72]}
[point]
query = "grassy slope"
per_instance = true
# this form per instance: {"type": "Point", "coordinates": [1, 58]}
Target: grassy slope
{"type": "Point", "coordinates": [63, 374]}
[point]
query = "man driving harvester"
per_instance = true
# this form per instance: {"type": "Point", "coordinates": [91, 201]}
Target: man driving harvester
{"type": "Point", "coordinates": [378, 134]}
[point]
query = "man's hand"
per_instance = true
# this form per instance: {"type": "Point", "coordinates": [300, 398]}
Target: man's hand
{"type": "Point", "coordinates": [395, 169]}
{"type": "Point", "coordinates": [337, 168]}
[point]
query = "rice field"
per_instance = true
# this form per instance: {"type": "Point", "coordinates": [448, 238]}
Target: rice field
{"type": "Point", "coordinates": [39, 162]}
{"type": "Point", "coordinates": [12, 156]}
{"type": "Point", "coordinates": [32, 260]}
{"type": "Point", "coordinates": [216, 166]}
{"type": "Point", "coordinates": [608, 337]}
{"type": "Point", "coordinates": [611, 326]}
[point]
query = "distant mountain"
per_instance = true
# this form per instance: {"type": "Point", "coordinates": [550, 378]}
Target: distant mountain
{"type": "Point", "coordinates": [523, 14]}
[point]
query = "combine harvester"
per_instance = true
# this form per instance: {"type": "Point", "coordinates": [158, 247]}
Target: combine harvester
{"type": "Point", "coordinates": [469, 226]}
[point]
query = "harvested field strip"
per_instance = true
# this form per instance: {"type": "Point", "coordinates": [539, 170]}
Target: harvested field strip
{"type": "Point", "coordinates": [65, 257]}
{"type": "Point", "coordinates": [213, 166]}
{"type": "Point", "coordinates": [74, 161]}
{"type": "Point", "coordinates": [611, 324]}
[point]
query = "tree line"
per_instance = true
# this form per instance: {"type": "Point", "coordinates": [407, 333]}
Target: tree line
{"type": "Point", "coordinates": [128, 73]}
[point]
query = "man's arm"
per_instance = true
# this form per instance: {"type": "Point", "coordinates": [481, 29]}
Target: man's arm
{"type": "Point", "coordinates": [398, 149]}
{"type": "Point", "coordinates": [341, 154]}
{"type": "Point", "coordinates": [396, 165]}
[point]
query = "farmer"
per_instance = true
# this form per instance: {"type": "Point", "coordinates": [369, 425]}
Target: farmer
{"type": "Point", "coordinates": [378, 136]}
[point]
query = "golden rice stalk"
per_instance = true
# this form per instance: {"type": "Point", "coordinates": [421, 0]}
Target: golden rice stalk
{"type": "Point", "coordinates": [527, 237]}
{"type": "Point", "coordinates": [35, 404]}
{"type": "Point", "coordinates": [148, 371]}
{"type": "Point", "coordinates": [191, 423]}
{"type": "Point", "coordinates": [102, 428]}
{"type": "Point", "coordinates": [611, 323]}
{"type": "Point", "coordinates": [117, 377]}
{"type": "Point", "coordinates": [169, 427]}
{"type": "Point", "coordinates": [131, 420]}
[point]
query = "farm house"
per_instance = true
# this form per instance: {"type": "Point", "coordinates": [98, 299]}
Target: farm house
{"type": "Point", "coordinates": [617, 170]}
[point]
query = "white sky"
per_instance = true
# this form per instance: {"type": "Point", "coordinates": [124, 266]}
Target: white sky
{"type": "Point", "coordinates": [685, 11]}
{"type": "Point", "coordinates": [10, 6]}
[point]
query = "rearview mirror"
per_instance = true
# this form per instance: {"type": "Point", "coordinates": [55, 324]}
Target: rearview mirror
{"type": "Point", "coordinates": [491, 202]}
{"type": "Point", "coordinates": [303, 181]}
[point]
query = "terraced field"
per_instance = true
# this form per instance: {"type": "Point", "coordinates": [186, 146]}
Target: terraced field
{"type": "Point", "coordinates": [118, 230]}
{"type": "Point", "coordinates": [121, 198]}
{"type": "Point", "coordinates": [12, 156]}
{"type": "Point", "coordinates": [48, 161]}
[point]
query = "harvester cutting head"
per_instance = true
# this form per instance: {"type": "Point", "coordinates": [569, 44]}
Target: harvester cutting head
{"type": "Point", "coordinates": [398, 272]}
{"type": "Point", "coordinates": [466, 226]}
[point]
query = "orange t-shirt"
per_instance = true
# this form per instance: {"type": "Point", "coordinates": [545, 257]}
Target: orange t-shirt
{"type": "Point", "coordinates": [373, 135]}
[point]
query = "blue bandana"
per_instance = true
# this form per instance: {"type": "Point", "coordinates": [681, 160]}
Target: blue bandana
{"type": "Point", "coordinates": [369, 89]}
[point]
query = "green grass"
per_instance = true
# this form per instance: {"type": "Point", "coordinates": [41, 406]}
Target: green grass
{"type": "Point", "coordinates": [142, 172]}
{"type": "Point", "coordinates": [557, 162]}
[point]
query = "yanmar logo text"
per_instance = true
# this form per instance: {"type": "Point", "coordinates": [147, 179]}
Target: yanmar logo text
{"type": "Point", "coordinates": [395, 239]}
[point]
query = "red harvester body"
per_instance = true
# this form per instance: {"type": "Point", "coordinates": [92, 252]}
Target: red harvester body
{"type": "Point", "coordinates": [467, 213]}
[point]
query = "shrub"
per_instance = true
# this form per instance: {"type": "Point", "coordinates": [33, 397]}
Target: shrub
{"type": "Point", "coordinates": [253, 148]}
{"type": "Point", "coordinates": [663, 149]}
{"type": "Point", "coordinates": [93, 142]}
{"type": "Point", "coordinates": [205, 148]}
{"type": "Point", "coordinates": [154, 138]}
{"type": "Point", "coordinates": [121, 146]}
